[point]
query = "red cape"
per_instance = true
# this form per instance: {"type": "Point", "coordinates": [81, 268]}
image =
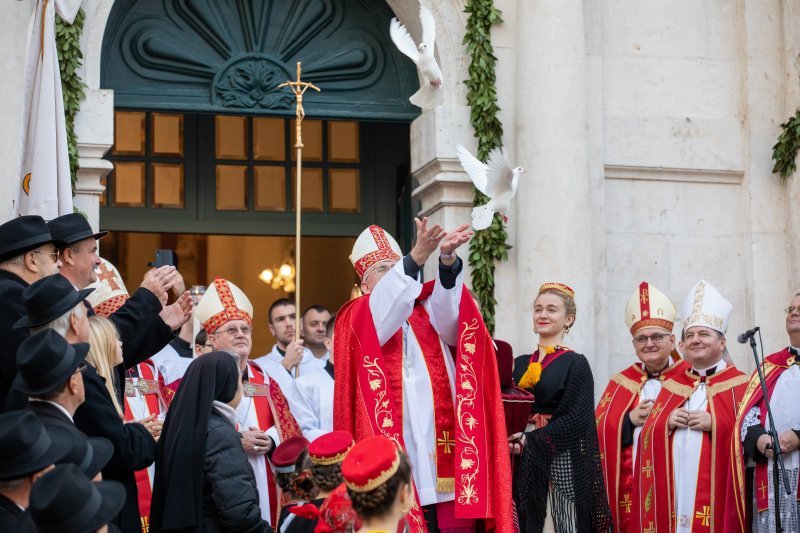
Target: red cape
{"type": "Point", "coordinates": [363, 405]}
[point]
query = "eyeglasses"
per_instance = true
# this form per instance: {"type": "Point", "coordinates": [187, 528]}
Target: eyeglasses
{"type": "Point", "coordinates": [641, 340]}
{"type": "Point", "coordinates": [382, 269]}
{"type": "Point", "coordinates": [232, 331]}
{"type": "Point", "coordinates": [81, 369]}
{"type": "Point", "coordinates": [792, 309]}
{"type": "Point", "coordinates": [47, 253]}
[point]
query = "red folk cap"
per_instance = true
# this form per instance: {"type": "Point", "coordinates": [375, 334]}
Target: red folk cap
{"type": "Point", "coordinates": [330, 448]}
{"type": "Point", "coordinates": [370, 463]}
{"type": "Point", "coordinates": [285, 456]}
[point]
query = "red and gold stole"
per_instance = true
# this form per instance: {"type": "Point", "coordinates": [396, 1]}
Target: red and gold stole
{"type": "Point", "coordinates": [368, 401]}
{"type": "Point", "coordinates": [739, 509]}
{"type": "Point", "coordinates": [149, 391]}
{"type": "Point", "coordinates": [653, 481]}
{"type": "Point", "coordinates": [621, 395]}
{"type": "Point", "coordinates": [272, 409]}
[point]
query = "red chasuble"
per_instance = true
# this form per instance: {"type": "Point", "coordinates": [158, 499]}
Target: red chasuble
{"type": "Point", "coordinates": [739, 509]}
{"type": "Point", "coordinates": [368, 401]}
{"type": "Point", "coordinates": [621, 395]}
{"type": "Point", "coordinates": [653, 482]}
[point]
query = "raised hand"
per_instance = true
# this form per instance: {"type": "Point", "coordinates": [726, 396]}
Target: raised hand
{"type": "Point", "coordinates": [160, 280]}
{"type": "Point", "coordinates": [454, 239]}
{"type": "Point", "coordinates": [177, 314]}
{"type": "Point", "coordinates": [428, 240]}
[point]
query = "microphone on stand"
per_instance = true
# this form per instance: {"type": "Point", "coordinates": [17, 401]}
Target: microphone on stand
{"type": "Point", "coordinates": [747, 335]}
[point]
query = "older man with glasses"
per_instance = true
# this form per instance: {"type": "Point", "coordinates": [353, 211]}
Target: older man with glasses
{"type": "Point", "coordinates": [629, 395]}
{"type": "Point", "coordinates": [753, 502]}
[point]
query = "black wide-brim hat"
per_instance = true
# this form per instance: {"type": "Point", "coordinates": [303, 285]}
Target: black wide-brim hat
{"type": "Point", "coordinates": [22, 234]}
{"type": "Point", "coordinates": [27, 447]}
{"type": "Point", "coordinates": [72, 228]}
{"type": "Point", "coordinates": [65, 499]}
{"type": "Point", "coordinates": [47, 299]}
{"type": "Point", "coordinates": [90, 454]}
{"type": "Point", "coordinates": [45, 361]}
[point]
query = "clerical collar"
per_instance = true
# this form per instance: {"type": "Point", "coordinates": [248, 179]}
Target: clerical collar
{"type": "Point", "coordinates": [278, 349]}
{"type": "Point", "coordinates": [794, 350]}
{"type": "Point", "coordinates": [54, 404]}
{"type": "Point", "coordinates": [654, 375]}
{"type": "Point", "coordinates": [710, 371]}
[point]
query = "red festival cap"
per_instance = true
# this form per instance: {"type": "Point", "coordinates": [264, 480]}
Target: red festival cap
{"type": "Point", "coordinates": [330, 448]}
{"type": "Point", "coordinates": [370, 463]}
{"type": "Point", "coordinates": [285, 456]}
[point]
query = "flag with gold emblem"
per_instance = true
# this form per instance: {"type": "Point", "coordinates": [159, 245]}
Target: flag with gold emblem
{"type": "Point", "coordinates": [44, 183]}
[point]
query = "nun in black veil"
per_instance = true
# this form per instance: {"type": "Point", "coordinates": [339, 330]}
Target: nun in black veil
{"type": "Point", "coordinates": [203, 481]}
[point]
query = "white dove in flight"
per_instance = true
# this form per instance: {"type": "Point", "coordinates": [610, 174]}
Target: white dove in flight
{"type": "Point", "coordinates": [430, 93]}
{"type": "Point", "coordinates": [496, 179]}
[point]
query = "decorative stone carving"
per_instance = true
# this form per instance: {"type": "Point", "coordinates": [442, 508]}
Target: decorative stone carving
{"type": "Point", "coordinates": [252, 81]}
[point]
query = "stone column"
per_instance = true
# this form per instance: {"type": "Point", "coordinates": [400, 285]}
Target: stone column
{"type": "Point", "coordinates": [553, 204]}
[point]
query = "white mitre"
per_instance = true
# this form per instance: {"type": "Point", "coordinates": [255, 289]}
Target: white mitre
{"type": "Point", "coordinates": [373, 246]}
{"type": "Point", "coordinates": [705, 306]}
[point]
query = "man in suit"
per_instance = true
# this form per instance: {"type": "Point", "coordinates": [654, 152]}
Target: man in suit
{"type": "Point", "coordinates": [27, 253]}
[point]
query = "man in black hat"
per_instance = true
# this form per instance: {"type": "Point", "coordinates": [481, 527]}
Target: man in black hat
{"type": "Point", "coordinates": [27, 253]}
{"type": "Point", "coordinates": [66, 500]}
{"type": "Point", "coordinates": [28, 452]}
{"type": "Point", "coordinates": [144, 324]}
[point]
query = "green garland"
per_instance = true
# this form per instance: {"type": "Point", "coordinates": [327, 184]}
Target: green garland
{"type": "Point", "coordinates": [68, 45]}
{"type": "Point", "coordinates": [785, 150]}
{"type": "Point", "coordinates": [489, 245]}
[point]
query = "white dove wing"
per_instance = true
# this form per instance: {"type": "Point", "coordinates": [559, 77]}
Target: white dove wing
{"type": "Point", "coordinates": [474, 168]}
{"type": "Point", "coordinates": [499, 175]}
{"type": "Point", "coordinates": [403, 41]}
{"type": "Point", "coordinates": [428, 27]}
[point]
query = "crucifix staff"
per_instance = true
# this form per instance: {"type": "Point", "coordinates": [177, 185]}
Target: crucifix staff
{"type": "Point", "coordinates": [298, 88]}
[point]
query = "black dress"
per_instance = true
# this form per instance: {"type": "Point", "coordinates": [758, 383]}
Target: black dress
{"type": "Point", "coordinates": [298, 524]}
{"type": "Point", "coordinates": [562, 459]}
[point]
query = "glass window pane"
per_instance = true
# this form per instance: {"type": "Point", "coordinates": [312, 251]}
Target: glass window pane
{"type": "Point", "coordinates": [129, 184]}
{"type": "Point", "coordinates": [344, 191]}
{"type": "Point", "coordinates": [167, 185]}
{"type": "Point", "coordinates": [129, 133]}
{"type": "Point", "coordinates": [231, 137]}
{"type": "Point", "coordinates": [232, 187]}
{"type": "Point", "coordinates": [270, 185]}
{"type": "Point", "coordinates": [312, 140]}
{"type": "Point", "coordinates": [166, 134]}
{"type": "Point", "coordinates": [269, 141]}
{"type": "Point", "coordinates": [343, 142]}
{"type": "Point", "coordinates": [311, 193]}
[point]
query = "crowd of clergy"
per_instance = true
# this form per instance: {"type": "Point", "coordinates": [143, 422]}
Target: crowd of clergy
{"type": "Point", "coordinates": [152, 411]}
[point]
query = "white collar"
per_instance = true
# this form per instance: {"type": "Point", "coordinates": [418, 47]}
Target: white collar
{"type": "Point", "coordinates": [719, 366]}
{"type": "Point", "coordinates": [57, 405]}
{"type": "Point", "coordinates": [227, 411]}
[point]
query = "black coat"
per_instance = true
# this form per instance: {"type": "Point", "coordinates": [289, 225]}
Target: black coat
{"type": "Point", "coordinates": [11, 310]}
{"type": "Point", "coordinates": [230, 496]}
{"type": "Point", "coordinates": [9, 514]}
{"type": "Point", "coordinates": [50, 415]}
{"type": "Point", "coordinates": [134, 447]}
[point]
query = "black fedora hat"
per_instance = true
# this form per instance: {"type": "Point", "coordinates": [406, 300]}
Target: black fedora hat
{"type": "Point", "coordinates": [27, 446]}
{"type": "Point", "coordinates": [22, 234]}
{"type": "Point", "coordinates": [91, 454]}
{"type": "Point", "coordinates": [47, 299]}
{"type": "Point", "coordinates": [45, 361]}
{"type": "Point", "coordinates": [66, 500]}
{"type": "Point", "coordinates": [72, 228]}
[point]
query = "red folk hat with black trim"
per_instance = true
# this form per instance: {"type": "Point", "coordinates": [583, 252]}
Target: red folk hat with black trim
{"type": "Point", "coordinates": [285, 456]}
{"type": "Point", "coordinates": [330, 448]}
{"type": "Point", "coordinates": [370, 463]}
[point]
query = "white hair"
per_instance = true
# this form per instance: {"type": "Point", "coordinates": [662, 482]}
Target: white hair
{"type": "Point", "coordinates": [61, 324]}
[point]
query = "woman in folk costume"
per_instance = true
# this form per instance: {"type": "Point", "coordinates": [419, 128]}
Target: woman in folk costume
{"type": "Point", "coordinates": [326, 453]}
{"type": "Point", "coordinates": [629, 395]}
{"type": "Point", "coordinates": [203, 481]}
{"type": "Point", "coordinates": [751, 497]}
{"type": "Point", "coordinates": [263, 417]}
{"type": "Point", "coordinates": [397, 375]}
{"type": "Point", "coordinates": [144, 394]}
{"type": "Point", "coordinates": [683, 456]}
{"type": "Point", "coordinates": [560, 455]}
{"type": "Point", "coordinates": [378, 479]}
{"type": "Point", "coordinates": [293, 475]}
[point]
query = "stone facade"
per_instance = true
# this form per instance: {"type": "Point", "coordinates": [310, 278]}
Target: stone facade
{"type": "Point", "coordinates": [646, 129]}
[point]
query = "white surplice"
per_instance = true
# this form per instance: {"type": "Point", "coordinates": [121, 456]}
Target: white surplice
{"type": "Point", "coordinates": [391, 304]}
{"type": "Point", "coordinates": [686, 447]}
{"type": "Point", "coordinates": [170, 364]}
{"type": "Point", "coordinates": [308, 364]}
{"type": "Point", "coordinates": [317, 390]}
{"type": "Point", "coordinates": [650, 391]}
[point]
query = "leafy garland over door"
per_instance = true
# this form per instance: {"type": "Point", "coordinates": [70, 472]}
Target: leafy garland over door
{"type": "Point", "coordinates": [68, 44]}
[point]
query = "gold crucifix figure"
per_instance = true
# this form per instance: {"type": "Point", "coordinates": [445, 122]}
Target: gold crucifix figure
{"type": "Point", "coordinates": [298, 88]}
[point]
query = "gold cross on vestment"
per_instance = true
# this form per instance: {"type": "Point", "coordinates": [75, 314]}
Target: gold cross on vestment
{"type": "Point", "coordinates": [626, 503]}
{"type": "Point", "coordinates": [106, 275]}
{"type": "Point", "coordinates": [763, 488]}
{"type": "Point", "coordinates": [648, 470]}
{"type": "Point", "coordinates": [650, 529]}
{"type": "Point", "coordinates": [447, 442]}
{"type": "Point", "coordinates": [657, 409]}
{"type": "Point", "coordinates": [605, 399]}
{"type": "Point", "coordinates": [704, 516]}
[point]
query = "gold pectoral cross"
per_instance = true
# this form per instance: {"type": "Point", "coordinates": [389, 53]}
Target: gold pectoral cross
{"type": "Point", "coordinates": [447, 442]}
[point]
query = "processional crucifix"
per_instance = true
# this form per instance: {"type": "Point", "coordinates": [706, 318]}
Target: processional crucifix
{"type": "Point", "coordinates": [298, 88]}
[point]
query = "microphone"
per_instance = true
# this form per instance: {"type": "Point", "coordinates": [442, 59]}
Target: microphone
{"type": "Point", "coordinates": [747, 335]}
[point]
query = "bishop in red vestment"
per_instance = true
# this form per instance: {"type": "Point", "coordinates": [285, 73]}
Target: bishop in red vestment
{"type": "Point", "coordinates": [415, 363]}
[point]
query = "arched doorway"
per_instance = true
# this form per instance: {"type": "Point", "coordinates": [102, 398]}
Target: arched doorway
{"type": "Point", "coordinates": [203, 138]}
